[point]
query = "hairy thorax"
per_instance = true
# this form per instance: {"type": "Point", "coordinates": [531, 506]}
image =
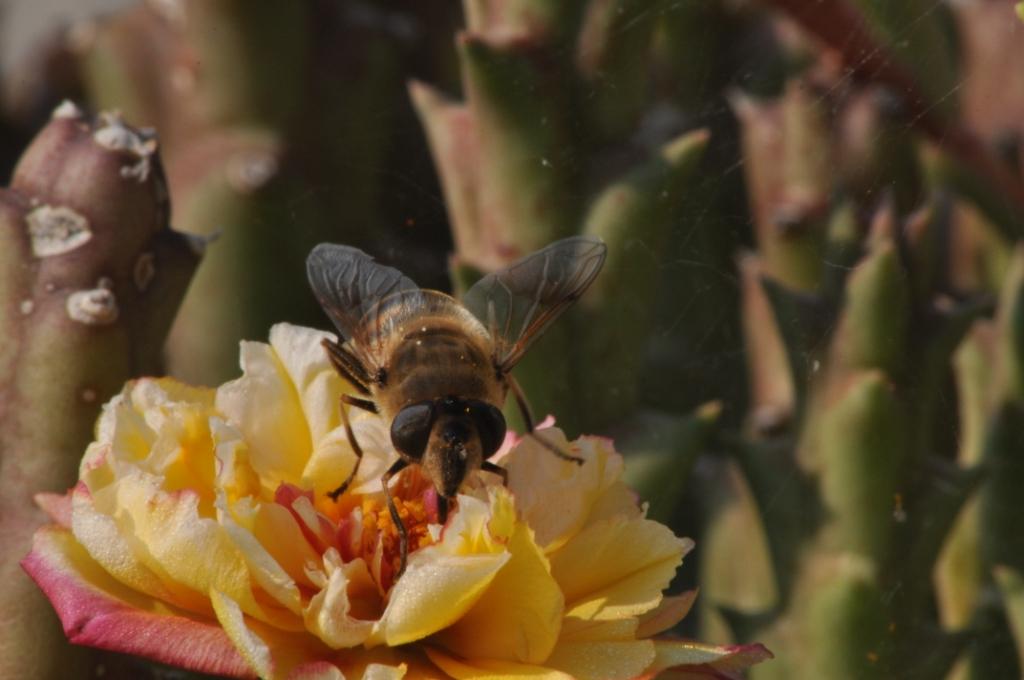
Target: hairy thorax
{"type": "Point", "coordinates": [434, 358]}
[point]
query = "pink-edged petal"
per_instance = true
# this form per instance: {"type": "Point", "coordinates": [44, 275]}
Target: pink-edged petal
{"type": "Point", "coordinates": [57, 507]}
{"type": "Point", "coordinates": [541, 481]}
{"type": "Point", "coordinates": [98, 611]}
{"type": "Point", "coordinates": [316, 670]}
{"type": "Point", "coordinates": [704, 660]}
{"type": "Point", "coordinates": [671, 611]}
{"type": "Point", "coordinates": [489, 669]}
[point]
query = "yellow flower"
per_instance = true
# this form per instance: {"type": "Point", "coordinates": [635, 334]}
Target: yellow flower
{"type": "Point", "coordinates": [200, 534]}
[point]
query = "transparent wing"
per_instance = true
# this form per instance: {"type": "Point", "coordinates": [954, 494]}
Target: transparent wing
{"type": "Point", "coordinates": [348, 284]}
{"type": "Point", "coordinates": [516, 304]}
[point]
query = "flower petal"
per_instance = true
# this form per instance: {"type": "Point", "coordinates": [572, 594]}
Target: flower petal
{"type": "Point", "coordinates": [265, 571]}
{"type": "Point", "coordinates": [317, 670]}
{"type": "Point", "coordinates": [671, 611]}
{"type": "Point", "coordinates": [99, 534]}
{"type": "Point", "coordinates": [435, 592]}
{"type": "Point", "coordinates": [376, 671]}
{"type": "Point", "coordinates": [710, 659]}
{"type": "Point", "coordinates": [332, 457]}
{"type": "Point", "coordinates": [541, 481]}
{"type": "Point", "coordinates": [487, 669]}
{"type": "Point", "coordinates": [519, 617]}
{"type": "Point", "coordinates": [264, 405]}
{"type": "Point", "coordinates": [603, 660]}
{"type": "Point", "coordinates": [617, 567]}
{"type": "Point", "coordinates": [57, 507]}
{"type": "Point", "coordinates": [329, 614]}
{"type": "Point", "coordinates": [254, 650]}
{"type": "Point", "coordinates": [175, 541]}
{"type": "Point", "coordinates": [271, 652]}
{"type": "Point", "coordinates": [589, 630]}
{"type": "Point", "coordinates": [98, 611]}
{"type": "Point", "coordinates": [317, 383]}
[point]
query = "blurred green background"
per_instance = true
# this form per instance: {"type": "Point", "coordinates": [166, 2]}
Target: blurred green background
{"type": "Point", "coordinates": [808, 339]}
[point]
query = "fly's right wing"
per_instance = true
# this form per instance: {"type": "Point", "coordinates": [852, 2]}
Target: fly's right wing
{"type": "Point", "coordinates": [349, 284]}
{"type": "Point", "coordinates": [516, 304]}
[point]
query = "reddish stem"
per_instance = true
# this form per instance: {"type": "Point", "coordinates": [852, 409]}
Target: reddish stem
{"type": "Point", "coordinates": [844, 29]}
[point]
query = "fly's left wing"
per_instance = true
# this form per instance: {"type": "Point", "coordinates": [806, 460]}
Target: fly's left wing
{"type": "Point", "coordinates": [348, 283]}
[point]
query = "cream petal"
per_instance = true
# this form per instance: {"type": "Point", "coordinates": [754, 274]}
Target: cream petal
{"type": "Point", "coordinates": [329, 613]}
{"type": "Point", "coordinates": [541, 481]}
{"type": "Point", "coordinates": [123, 428]}
{"type": "Point", "coordinates": [234, 473]}
{"type": "Point", "coordinates": [280, 534]}
{"type": "Point", "coordinates": [264, 405]}
{"type": "Point", "coordinates": [254, 650]}
{"type": "Point", "coordinates": [266, 572]}
{"type": "Point", "coordinates": [317, 383]}
{"type": "Point", "coordinates": [377, 671]}
{"type": "Point", "coordinates": [617, 567]}
{"type": "Point", "coordinates": [333, 458]}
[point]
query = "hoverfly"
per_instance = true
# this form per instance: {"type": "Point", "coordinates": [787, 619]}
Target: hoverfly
{"type": "Point", "coordinates": [436, 369]}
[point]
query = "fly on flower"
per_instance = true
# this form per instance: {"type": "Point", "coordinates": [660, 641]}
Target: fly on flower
{"type": "Point", "coordinates": [438, 370]}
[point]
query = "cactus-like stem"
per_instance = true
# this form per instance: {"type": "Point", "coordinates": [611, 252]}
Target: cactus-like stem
{"type": "Point", "coordinates": [634, 217]}
{"type": "Point", "coordinates": [773, 398]}
{"type": "Point", "coordinates": [526, 153]}
{"type": "Point", "coordinates": [1011, 584]}
{"type": "Point", "coordinates": [788, 206]}
{"type": "Point", "coordinates": [873, 330]}
{"type": "Point", "coordinates": [90, 278]}
{"type": "Point", "coordinates": [613, 52]}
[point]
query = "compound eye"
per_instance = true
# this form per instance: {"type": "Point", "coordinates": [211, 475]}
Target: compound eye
{"type": "Point", "coordinates": [490, 425]}
{"type": "Point", "coordinates": [410, 429]}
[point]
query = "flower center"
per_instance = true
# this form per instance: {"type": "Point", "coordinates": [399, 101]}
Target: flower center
{"type": "Point", "coordinates": [370, 532]}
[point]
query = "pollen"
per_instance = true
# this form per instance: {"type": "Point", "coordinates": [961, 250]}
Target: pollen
{"type": "Point", "coordinates": [379, 542]}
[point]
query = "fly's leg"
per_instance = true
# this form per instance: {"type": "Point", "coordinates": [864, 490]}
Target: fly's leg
{"type": "Point", "coordinates": [488, 466]}
{"type": "Point", "coordinates": [403, 537]}
{"type": "Point", "coordinates": [442, 509]}
{"type": "Point", "coordinates": [524, 409]}
{"type": "Point", "coordinates": [358, 450]}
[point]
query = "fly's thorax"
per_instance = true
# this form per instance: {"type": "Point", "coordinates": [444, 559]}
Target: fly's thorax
{"type": "Point", "coordinates": [436, 357]}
